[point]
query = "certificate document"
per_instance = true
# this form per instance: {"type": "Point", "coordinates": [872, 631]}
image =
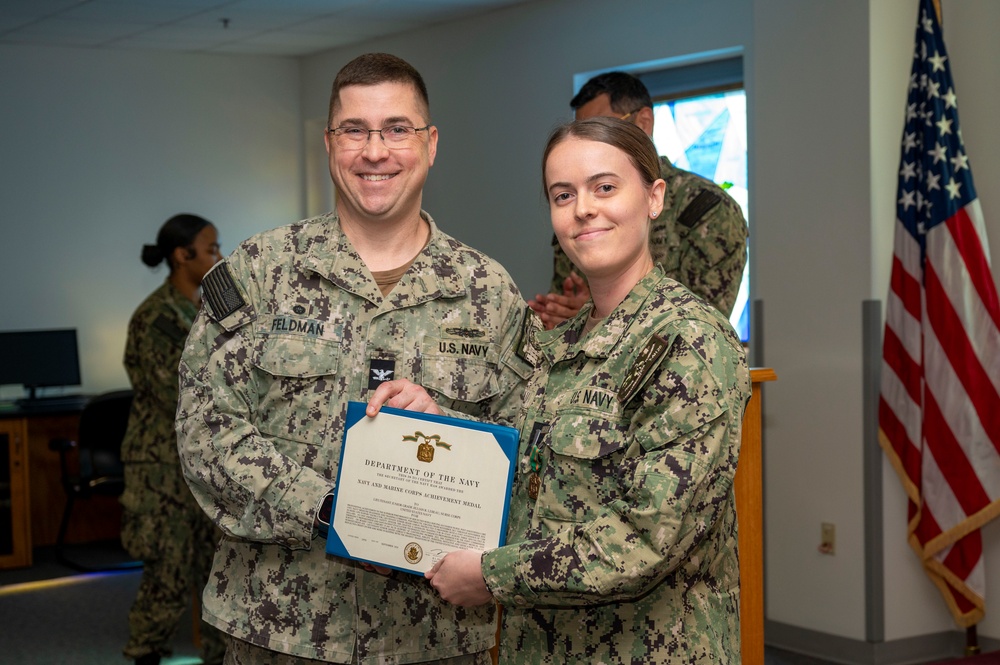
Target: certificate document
{"type": "Point", "coordinates": [413, 486]}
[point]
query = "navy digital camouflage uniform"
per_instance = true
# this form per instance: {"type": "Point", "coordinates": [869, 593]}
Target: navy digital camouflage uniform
{"type": "Point", "coordinates": [294, 327]}
{"type": "Point", "coordinates": [162, 524]}
{"type": "Point", "coordinates": [629, 552]}
{"type": "Point", "coordinates": [700, 239]}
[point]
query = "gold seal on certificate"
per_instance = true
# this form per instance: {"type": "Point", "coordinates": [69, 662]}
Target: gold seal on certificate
{"type": "Point", "coordinates": [413, 486]}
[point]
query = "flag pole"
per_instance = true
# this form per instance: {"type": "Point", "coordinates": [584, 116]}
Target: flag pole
{"type": "Point", "coordinates": [971, 641]}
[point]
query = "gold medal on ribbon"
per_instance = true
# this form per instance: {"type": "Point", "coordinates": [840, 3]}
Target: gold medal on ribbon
{"type": "Point", "coordinates": [534, 480]}
{"type": "Point", "coordinates": [534, 484]}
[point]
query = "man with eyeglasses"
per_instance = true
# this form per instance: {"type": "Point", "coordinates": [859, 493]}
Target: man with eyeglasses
{"type": "Point", "coordinates": [300, 320]}
{"type": "Point", "coordinates": [700, 237]}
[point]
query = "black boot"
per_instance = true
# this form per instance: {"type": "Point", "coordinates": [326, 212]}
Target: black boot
{"type": "Point", "coordinates": [148, 659]}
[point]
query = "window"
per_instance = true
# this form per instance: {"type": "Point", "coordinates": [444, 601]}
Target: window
{"type": "Point", "coordinates": [706, 134]}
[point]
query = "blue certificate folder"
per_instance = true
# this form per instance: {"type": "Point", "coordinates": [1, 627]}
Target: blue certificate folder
{"type": "Point", "coordinates": [412, 487]}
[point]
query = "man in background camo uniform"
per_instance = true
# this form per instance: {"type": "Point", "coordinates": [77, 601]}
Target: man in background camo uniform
{"type": "Point", "coordinates": [302, 319]}
{"type": "Point", "coordinates": [700, 237]}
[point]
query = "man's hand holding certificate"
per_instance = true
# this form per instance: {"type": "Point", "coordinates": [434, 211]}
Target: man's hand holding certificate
{"type": "Point", "coordinates": [413, 487]}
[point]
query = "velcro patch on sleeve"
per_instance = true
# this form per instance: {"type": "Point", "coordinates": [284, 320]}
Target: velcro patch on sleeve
{"type": "Point", "coordinates": [173, 331]}
{"type": "Point", "coordinates": [221, 293]}
{"type": "Point", "coordinates": [698, 208]}
{"type": "Point", "coordinates": [526, 349]}
{"type": "Point", "coordinates": [647, 359]}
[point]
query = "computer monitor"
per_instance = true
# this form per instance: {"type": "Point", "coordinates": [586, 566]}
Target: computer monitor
{"type": "Point", "coordinates": [39, 358]}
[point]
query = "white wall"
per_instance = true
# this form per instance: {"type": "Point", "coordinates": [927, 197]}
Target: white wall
{"type": "Point", "coordinates": [99, 148]}
{"type": "Point", "coordinates": [810, 239]}
{"type": "Point", "coordinates": [826, 94]}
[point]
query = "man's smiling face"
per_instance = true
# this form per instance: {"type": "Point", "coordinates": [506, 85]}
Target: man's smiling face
{"type": "Point", "coordinates": [374, 182]}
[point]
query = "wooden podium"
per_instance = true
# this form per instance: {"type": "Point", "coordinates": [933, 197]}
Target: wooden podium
{"type": "Point", "coordinates": [749, 488]}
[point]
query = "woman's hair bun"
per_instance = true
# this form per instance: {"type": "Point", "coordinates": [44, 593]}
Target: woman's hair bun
{"type": "Point", "coordinates": [151, 255]}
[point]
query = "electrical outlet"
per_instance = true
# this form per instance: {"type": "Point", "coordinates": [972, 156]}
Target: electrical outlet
{"type": "Point", "coordinates": [827, 538]}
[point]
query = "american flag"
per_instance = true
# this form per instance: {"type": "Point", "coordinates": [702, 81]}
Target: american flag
{"type": "Point", "coordinates": [939, 411]}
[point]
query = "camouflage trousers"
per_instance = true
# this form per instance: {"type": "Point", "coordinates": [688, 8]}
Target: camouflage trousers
{"type": "Point", "coordinates": [244, 653]}
{"type": "Point", "coordinates": [164, 527]}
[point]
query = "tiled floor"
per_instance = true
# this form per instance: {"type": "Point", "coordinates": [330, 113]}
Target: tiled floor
{"type": "Point", "coordinates": [53, 615]}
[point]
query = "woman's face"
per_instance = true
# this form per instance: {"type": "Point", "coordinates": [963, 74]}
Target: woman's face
{"type": "Point", "coordinates": [600, 208]}
{"type": "Point", "coordinates": [204, 253]}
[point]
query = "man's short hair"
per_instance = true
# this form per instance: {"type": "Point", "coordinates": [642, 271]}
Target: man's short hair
{"type": "Point", "coordinates": [626, 93]}
{"type": "Point", "coordinates": [375, 68]}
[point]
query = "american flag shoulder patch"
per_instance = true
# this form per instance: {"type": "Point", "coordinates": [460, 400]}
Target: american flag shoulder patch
{"type": "Point", "coordinates": [698, 208]}
{"type": "Point", "coordinates": [221, 293]}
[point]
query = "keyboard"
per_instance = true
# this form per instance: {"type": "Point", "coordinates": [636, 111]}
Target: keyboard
{"type": "Point", "coordinates": [53, 403]}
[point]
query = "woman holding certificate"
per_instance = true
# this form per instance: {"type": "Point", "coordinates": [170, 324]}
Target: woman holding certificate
{"type": "Point", "coordinates": [621, 545]}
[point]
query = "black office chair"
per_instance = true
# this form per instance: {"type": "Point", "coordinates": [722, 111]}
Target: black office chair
{"type": "Point", "coordinates": [98, 470]}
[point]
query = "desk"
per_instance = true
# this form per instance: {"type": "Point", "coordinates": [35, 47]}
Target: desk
{"type": "Point", "coordinates": [36, 500]}
{"type": "Point", "coordinates": [15, 536]}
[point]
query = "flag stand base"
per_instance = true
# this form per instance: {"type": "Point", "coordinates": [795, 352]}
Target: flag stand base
{"type": "Point", "coordinates": [971, 642]}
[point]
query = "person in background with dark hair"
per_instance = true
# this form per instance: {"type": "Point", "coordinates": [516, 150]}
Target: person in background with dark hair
{"type": "Point", "coordinates": [700, 236]}
{"type": "Point", "coordinates": [298, 321]}
{"type": "Point", "coordinates": [621, 541]}
{"type": "Point", "coordinates": [162, 524]}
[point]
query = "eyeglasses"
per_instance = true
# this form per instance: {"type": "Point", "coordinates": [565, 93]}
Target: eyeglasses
{"type": "Point", "coordinates": [630, 114]}
{"type": "Point", "coordinates": [394, 136]}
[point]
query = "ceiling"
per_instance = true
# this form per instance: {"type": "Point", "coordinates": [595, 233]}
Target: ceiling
{"type": "Point", "coordinates": [259, 27]}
